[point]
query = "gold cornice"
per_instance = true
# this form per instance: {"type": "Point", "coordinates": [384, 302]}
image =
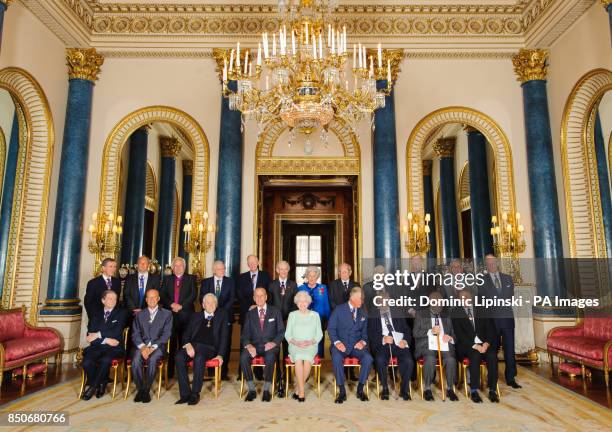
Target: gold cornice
{"type": "Point", "coordinates": [445, 147]}
{"type": "Point", "coordinates": [84, 63]}
{"type": "Point", "coordinates": [427, 165]}
{"type": "Point", "coordinates": [531, 64]}
{"type": "Point", "coordinates": [187, 167]}
{"type": "Point", "coordinates": [170, 146]}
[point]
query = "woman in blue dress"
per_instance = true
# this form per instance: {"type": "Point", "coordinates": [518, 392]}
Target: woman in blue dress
{"type": "Point", "coordinates": [320, 300]}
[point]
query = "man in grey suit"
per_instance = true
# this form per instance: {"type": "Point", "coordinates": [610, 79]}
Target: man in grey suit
{"type": "Point", "coordinates": [283, 291]}
{"type": "Point", "coordinates": [151, 331]}
{"type": "Point", "coordinates": [431, 322]}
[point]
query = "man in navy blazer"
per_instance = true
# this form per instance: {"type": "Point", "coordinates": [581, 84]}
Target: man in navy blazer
{"type": "Point", "coordinates": [99, 284]}
{"type": "Point", "coordinates": [348, 332]}
{"type": "Point", "coordinates": [247, 282]}
{"type": "Point", "coordinates": [224, 289]}
{"type": "Point", "coordinates": [105, 337]}
{"type": "Point", "coordinates": [500, 285]}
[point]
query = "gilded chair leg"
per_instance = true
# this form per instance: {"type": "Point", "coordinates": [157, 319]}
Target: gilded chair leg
{"type": "Point", "coordinates": [241, 384]}
{"type": "Point", "coordinates": [607, 377]}
{"type": "Point", "coordinates": [464, 371]}
{"type": "Point", "coordinates": [420, 378]}
{"type": "Point", "coordinates": [114, 382]}
{"type": "Point", "coordinates": [24, 372]}
{"type": "Point", "coordinates": [286, 381]}
{"type": "Point", "coordinates": [377, 386]}
{"type": "Point", "coordinates": [127, 383]}
{"type": "Point", "coordinates": [498, 392]}
{"type": "Point", "coordinates": [319, 381]}
{"type": "Point", "coordinates": [82, 382]}
{"type": "Point", "coordinates": [166, 375]}
{"type": "Point", "coordinates": [159, 383]}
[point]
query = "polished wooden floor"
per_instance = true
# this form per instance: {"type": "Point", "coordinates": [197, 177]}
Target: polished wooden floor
{"type": "Point", "coordinates": [595, 389]}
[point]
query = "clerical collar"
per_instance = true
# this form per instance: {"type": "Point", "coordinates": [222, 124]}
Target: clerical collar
{"type": "Point", "coordinates": [179, 276]}
{"type": "Point", "coordinates": [208, 315]}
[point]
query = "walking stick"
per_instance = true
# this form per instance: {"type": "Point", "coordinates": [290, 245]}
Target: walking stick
{"type": "Point", "coordinates": [441, 367]}
{"type": "Point", "coordinates": [395, 395]}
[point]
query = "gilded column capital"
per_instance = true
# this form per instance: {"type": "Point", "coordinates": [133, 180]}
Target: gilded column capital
{"type": "Point", "coordinates": [170, 146]}
{"type": "Point", "coordinates": [445, 147]}
{"type": "Point", "coordinates": [427, 164]}
{"type": "Point", "coordinates": [395, 56]}
{"type": "Point", "coordinates": [606, 3]}
{"type": "Point", "coordinates": [6, 2]}
{"type": "Point", "coordinates": [531, 64]}
{"type": "Point", "coordinates": [187, 167]}
{"type": "Point", "coordinates": [220, 54]}
{"type": "Point", "coordinates": [84, 63]}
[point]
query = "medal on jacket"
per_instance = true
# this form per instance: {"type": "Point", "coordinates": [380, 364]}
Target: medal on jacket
{"type": "Point", "coordinates": [209, 319]}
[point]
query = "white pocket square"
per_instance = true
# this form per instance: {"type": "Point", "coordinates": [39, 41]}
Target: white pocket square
{"type": "Point", "coordinates": [114, 321]}
{"type": "Point", "coordinates": [362, 319]}
{"type": "Point", "coordinates": [271, 319]}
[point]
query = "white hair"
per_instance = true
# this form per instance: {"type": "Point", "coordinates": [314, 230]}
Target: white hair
{"type": "Point", "coordinates": [212, 296]}
{"type": "Point", "coordinates": [301, 296]}
{"type": "Point", "coordinates": [179, 259]}
{"type": "Point", "coordinates": [312, 269]}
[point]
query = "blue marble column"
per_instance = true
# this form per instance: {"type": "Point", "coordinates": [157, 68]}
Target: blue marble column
{"type": "Point", "coordinates": [134, 208]}
{"type": "Point", "coordinates": [186, 202]}
{"type": "Point", "coordinates": [3, 7]}
{"type": "Point", "coordinates": [229, 188]}
{"type": "Point", "coordinates": [63, 288]}
{"type": "Point", "coordinates": [480, 201]}
{"type": "Point", "coordinates": [445, 149]}
{"type": "Point", "coordinates": [170, 148]}
{"type": "Point", "coordinates": [604, 184]}
{"type": "Point", "coordinates": [608, 6]}
{"type": "Point", "coordinates": [428, 196]}
{"type": "Point", "coordinates": [386, 201]}
{"type": "Point", "coordinates": [531, 68]}
{"type": "Point", "coordinates": [8, 192]}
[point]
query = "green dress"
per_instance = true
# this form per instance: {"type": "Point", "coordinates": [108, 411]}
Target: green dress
{"type": "Point", "coordinates": [302, 326]}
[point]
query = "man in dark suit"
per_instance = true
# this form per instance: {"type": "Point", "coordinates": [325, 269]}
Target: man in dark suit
{"type": "Point", "coordinates": [262, 332]}
{"type": "Point", "coordinates": [476, 334]}
{"type": "Point", "coordinates": [137, 284]}
{"type": "Point", "coordinates": [340, 288]}
{"type": "Point", "coordinates": [178, 293]}
{"type": "Point", "coordinates": [97, 286]}
{"type": "Point", "coordinates": [500, 285]}
{"type": "Point", "coordinates": [105, 337]}
{"type": "Point", "coordinates": [282, 290]}
{"type": "Point", "coordinates": [381, 329]}
{"type": "Point", "coordinates": [247, 282]}
{"type": "Point", "coordinates": [204, 339]}
{"type": "Point", "coordinates": [348, 332]}
{"type": "Point", "coordinates": [223, 288]}
{"type": "Point", "coordinates": [151, 333]}
{"type": "Point", "coordinates": [431, 322]}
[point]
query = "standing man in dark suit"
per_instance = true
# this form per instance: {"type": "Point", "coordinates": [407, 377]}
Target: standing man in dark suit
{"type": "Point", "coordinates": [204, 339]}
{"type": "Point", "coordinates": [431, 322]}
{"type": "Point", "coordinates": [282, 290]}
{"type": "Point", "coordinates": [262, 332]}
{"type": "Point", "coordinates": [381, 327]}
{"type": "Point", "coordinates": [178, 294]}
{"type": "Point", "coordinates": [225, 291]}
{"type": "Point", "coordinates": [97, 286]}
{"type": "Point", "coordinates": [105, 337]}
{"type": "Point", "coordinates": [348, 333]}
{"type": "Point", "coordinates": [248, 281]}
{"type": "Point", "coordinates": [340, 288]}
{"type": "Point", "coordinates": [500, 285]}
{"type": "Point", "coordinates": [151, 333]}
{"type": "Point", "coordinates": [476, 336]}
{"type": "Point", "coordinates": [137, 284]}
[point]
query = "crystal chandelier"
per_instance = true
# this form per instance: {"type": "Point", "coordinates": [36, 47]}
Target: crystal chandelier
{"type": "Point", "coordinates": [299, 74]}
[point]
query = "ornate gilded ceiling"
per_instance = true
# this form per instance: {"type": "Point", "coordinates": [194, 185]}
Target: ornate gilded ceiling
{"type": "Point", "coordinates": [424, 27]}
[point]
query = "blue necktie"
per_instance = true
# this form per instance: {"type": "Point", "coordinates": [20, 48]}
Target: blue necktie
{"type": "Point", "coordinates": [141, 290]}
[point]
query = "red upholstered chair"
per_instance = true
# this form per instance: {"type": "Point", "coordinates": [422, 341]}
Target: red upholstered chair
{"type": "Point", "coordinates": [392, 364]}
{"type": "Point", "coordinates": [117, 366]}
{"type": "Point", "coordinates": [22, 344]}
{"type": "Point", "coordinates": [351, 362]}
{"type": "Point", "coordinates": [162, 367]}
{"type": "Point", "coordinates": [212, 363]}
{"type": "Point", "coordinates": [463, 367]}
{"type": "Point", "coordinates": [258, 361]}
{"type": "Point", "coordinates": [316, 366]}
{"type": "Point", "coordinates": [588, 343]}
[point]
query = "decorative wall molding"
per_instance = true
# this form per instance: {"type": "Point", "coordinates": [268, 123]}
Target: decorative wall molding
{"type": "Point", "coordinates": [490, 129]}
{"type": "Point", "coordinates": [582, 198]}
{"type": "Point", "coordinates": [29, 218]}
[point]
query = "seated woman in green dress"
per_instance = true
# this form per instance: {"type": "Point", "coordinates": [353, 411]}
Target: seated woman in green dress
{"type": "Point", "coordinates": [303, 334]}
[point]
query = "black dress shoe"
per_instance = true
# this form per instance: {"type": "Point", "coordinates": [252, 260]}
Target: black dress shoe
{"type": "Point", "coordinates": [138, 397]}
{"type": "Point", "coordinates": [405, 395]}
{"type": "Point", "coordinates": [384, 394]}
{"type": "Point", "coordinates": [340, 398]}
{"type": "Point", "coordinates": [493, 397]}
{"type": "Point", "coordinates": [266, 396]}
{"type": "Point", "coordinates": [194, 399]}
{"type": "Point", "coordinates": [362, 396]}
{"type": "Point", "coordinates": [302, 399]}
{"type": "Point", "coordinates": [451, 395]}
{"type": "Point", "coordinates": [146, 397]}
{"type": "Point", "coordinates": [100, 390]}
{"type": "Point", "coordinates": [182, 400]}
{"type": "Point", "coordinates": [514, 385]}
{"type": "Point", "coordinates": [88, 393]}
{"type": "Point", "coordinates": [281, 392]}
{"type": "Point", "coordinates": [476, 397]}
{"type": "Point", "coordinates": [251, 396]}
{"type": "Point", "coordinates": [428, 395]}
{"type": "Point", "coordinates": [295, 396]}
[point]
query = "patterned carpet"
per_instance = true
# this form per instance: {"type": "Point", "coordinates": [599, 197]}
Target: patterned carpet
{"type": "Point", "coordinates": [539, 406]}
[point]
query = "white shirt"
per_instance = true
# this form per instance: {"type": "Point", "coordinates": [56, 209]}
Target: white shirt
{"type": "Point", "coordinates": [220, 280]}
{"type": "Point", "coordinates": [260, 308]}
{"type": "Point", "coordinates": [208, 315]}
{"type": "Point", "coordinates": [433, 324]}
{"type": "Point", "coordinates": [254, 280]}
{"type": "Point", "coordinates": [152, 315]}
{"type": "Point", "coordinates": [282, 281]}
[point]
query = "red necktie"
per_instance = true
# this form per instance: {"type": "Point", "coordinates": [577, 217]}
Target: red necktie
{"type": "Point", "coordinates": [177, 288]}
{"type": "Point", "coordinates": [262, 318]}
